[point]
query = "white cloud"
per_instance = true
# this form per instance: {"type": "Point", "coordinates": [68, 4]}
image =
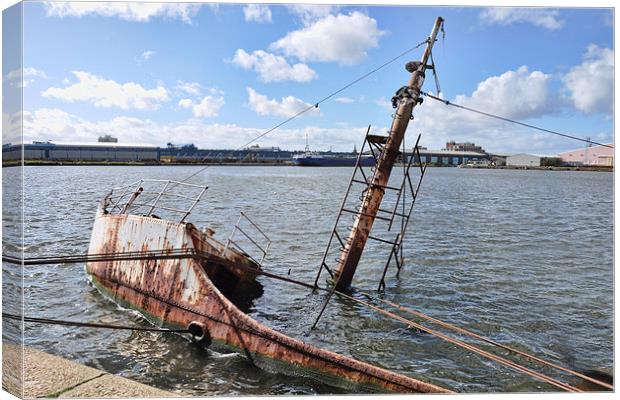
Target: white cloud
{"type": "Point", "coordinates": [213, 90]}
{"type": "Point", "coordinates": [146, 55]}
{"type": "Point", "coordinates": [60, 126]}
{"type": "Point", "coordinates": [186, 103]}
{"type": "Point", "coordinates": [257, 13]}
{"type": "Point", "coordinates": [108, 93]}
{"type": "Point", "coordinates": [519, 94]}
{"type": "Point", "coordinates": [591, 84]}
{"type": "Point", "coordinates": [24, 76]}
{"type": "Point", "coordinates": [287, 107]}
{"type": "Point", "coordinates": [51, 121]}
{"type": "Point", "coordinates": [516, 94]}
{"type": "Point", "coordinates": [344, 100]}
{"type": "Point", "coordinates": [26, 72]}
{"type": "Point", "coordinates": [543, 17]}
{"type": "Point", "coordinates": [309, 13]}
{"type": "Point", "coordinates": [273, 68]}
{"type": "Point", "coordinates": [11, 127]}
{"type": "Point", "coordinates": [384, 103]}
{"type": "Point", "coordinates": [340, 38]}
{"type": "Point", "coordinates": [208, 107]}
{"type": "Point", "coordinates": [196, 89]}
{"type": "Point", "coordinates": [193, 88]}
{"type": "Point", "coordinates": [130, 11]}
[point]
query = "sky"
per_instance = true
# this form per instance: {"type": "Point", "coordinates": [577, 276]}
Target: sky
{"type": "Point", "coordinates": [218, 75]}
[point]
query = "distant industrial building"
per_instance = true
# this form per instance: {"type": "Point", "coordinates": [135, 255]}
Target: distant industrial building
{"type": "Point", "coordinates": [523, 160]}
{"type": "Point", "coordinates": [107, 139]}
{"type": "Point", "coordinates": [454, 154]}
{"type": "Point", "coordinates": [97, 152]}
{"type": "Point", "coordinates": [499, 159]}
{"type": "Point", "coordinates": [464, 146]}
{"type": "Point", "coordinates": [448, 157]}
{"type": "Point", "coordinates": [595, 155]}
{"type": "Point", "coordinates": [107, 149]}
{"type": "Point", "coordinates": [190, 153]}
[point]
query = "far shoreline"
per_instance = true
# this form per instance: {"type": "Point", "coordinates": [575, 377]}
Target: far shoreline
{"type": "Point", "coordinates": [35, 163]}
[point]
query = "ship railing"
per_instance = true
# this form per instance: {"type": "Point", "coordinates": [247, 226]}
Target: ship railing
{"type": "Point", "coordinates": [245, 226]}
{"type": "Point", "coordinates": [148, 196]}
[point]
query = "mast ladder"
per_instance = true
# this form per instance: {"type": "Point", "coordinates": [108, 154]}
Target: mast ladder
{"type": "Point", "coordinates": [375, 144]}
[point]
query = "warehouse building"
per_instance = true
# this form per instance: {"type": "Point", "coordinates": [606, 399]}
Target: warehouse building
{"type": "Point", "coordinates": [523, 160]}
{"type": "Point", "coordinates": [84, 152]}
{"type": "Point", "coordinates": [449, 157]}
{"type": "Point", "coordinates": [454, 154]}
{"type": "Point", "coordinates": [595, 155]}
{"type": "Point", "coordinates": [190, 153]}
{"type": "Point", "coordinates": [107, 149]}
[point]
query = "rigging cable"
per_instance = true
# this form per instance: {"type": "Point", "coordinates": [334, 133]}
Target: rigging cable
{"type": "Point", "coordinates": [449, 103]}
{"type": "Point", "coordinates": [316, 105]}
{"type": "Point", "coordinates": [435, 75]}
{"type": "Point", "coordinates": [48, 321]}
{"type": "Point", "coordinates": [492, 342]}
{"type": "Point", "coordinates": [467, 346]}
{"type": "Point", "coordinates": [409, 323]}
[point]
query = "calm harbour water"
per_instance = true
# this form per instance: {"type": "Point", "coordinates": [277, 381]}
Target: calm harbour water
{"type": "Point", "coordinates": [523, 257]}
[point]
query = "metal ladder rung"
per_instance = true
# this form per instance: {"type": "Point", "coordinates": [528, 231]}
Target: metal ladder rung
{"type": "Point", "coordinates": [377, 139]}
{"type": "Point", "coordinates": [395, 213]}
{"type": "Point", "coordinates": [377, 145]}
{"type": "Point", "coordinates": [365, 214]}
{"type": "Point", "coordinates": [360, 181]}
{"type": "Point", "coordinates": [386, 187]}
{"type": "Point", "coordinates": [383, 186]}
{"type": "Point", "coordinates": [382, 240]}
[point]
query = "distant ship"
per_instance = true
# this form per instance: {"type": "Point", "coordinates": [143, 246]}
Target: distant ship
{"type": "Point", "coordinates": [315, 159]}
{"type": "Point", "coordinates": [324, 160]}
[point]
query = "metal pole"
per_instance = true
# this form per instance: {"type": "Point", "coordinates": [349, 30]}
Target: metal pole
{"type": "Point", "coordinates": [402, 218]}
{"type": "Point", "coordinates": [351, 254]}
{"type": "Point", "coordinates": [133, 197]}
{"type": "Point", "coordinates": [234, 230]}
{"type": "Point", "coordinates": [196, 200]}
{"type": "Point", "coordinates": [157, 199]}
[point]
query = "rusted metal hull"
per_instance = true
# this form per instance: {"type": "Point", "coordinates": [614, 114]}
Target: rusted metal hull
{"type": "Point", "coordinates": [180, 293]}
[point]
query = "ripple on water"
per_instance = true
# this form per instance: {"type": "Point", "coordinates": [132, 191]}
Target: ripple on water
{"type": "Point", "coordinates": [509, 254]}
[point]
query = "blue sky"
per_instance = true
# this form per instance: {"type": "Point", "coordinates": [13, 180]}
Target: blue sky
{"type": "Point", "coordinates": [218, 75]}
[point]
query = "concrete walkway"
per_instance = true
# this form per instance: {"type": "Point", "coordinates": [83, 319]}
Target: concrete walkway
{"type": "Point", "coordinates": [46, 375]}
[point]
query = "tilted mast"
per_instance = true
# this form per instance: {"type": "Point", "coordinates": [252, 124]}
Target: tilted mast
{"type": "Point", "coordinates": [371, 202]}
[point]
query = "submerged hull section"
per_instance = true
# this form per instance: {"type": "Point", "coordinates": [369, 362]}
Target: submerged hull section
{"type": "Point", "coordinates": [181, 293]}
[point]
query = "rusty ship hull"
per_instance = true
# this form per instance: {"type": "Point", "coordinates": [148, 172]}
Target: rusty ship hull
{"type": "Point", "coordinates": [183, 293]}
